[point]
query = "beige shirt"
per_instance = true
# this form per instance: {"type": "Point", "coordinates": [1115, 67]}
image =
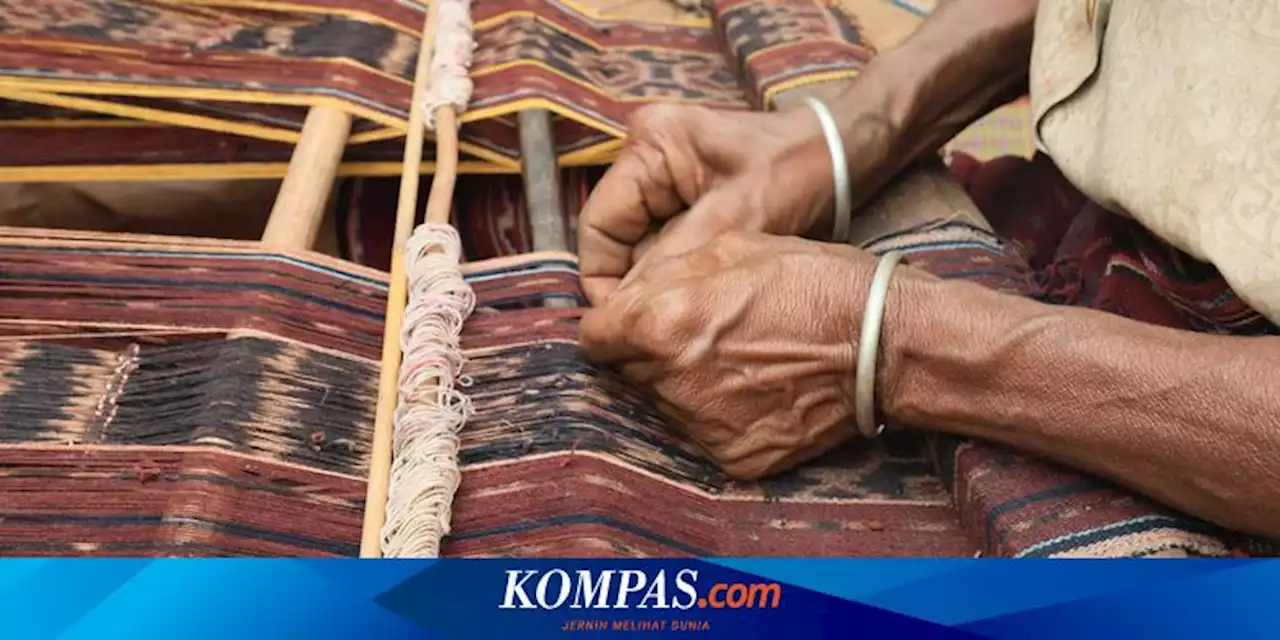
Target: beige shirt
{"type": "Point", "coordinates": [1169, 111]}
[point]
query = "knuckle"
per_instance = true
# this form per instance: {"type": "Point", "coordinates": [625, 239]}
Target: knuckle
{"type": "Point", "coordinates": [648, 162]}
{"type": "Point", "coordinates": [679, 317]}
{"type": "Point", "coordinates": [668, 316]}
{"type": "Point", "coordinates": [731, 246]}
{"type": "Point", "coordinates": [653, 118]}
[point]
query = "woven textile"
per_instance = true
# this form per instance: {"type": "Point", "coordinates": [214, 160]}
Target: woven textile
{"type": "Point", "coordinates": [204, 398]}
{"type": "Point", "coordinates": [53, 145]}
{"type": "Point", "coordinates": [489, 212]}
{"type": "Point", "coordinates": [194, 399]}
{"type": "Point", "coordinates": [1003, 132]}
{"type": "Point", "coordinates": [252, 68]}
{"type": "Point", "coordinates": [66, 136]}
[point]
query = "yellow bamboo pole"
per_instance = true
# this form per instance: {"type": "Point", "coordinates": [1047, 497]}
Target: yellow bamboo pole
{"type": "Point", "coordinates": [304, 194]}
{"type": "Point", "coordinates": [439, 205]}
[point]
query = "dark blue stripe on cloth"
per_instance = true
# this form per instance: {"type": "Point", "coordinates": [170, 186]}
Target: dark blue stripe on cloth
{"type": "Point", "coordinates": [561, 521]}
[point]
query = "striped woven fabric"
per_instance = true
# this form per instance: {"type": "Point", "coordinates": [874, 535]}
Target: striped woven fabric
{"type": "Point", "coordinates": [54, 145]}
{"type": "Point", "coordinates": [1003, 132]}
{"type": "Point", "coordinates": [489, 212]}
{"type": "Point", "coordinates": [199, 398]}
{"type": "Point", "coordinates": [196, 398]}
{"type": "Point", "coordinates": [252, 68]}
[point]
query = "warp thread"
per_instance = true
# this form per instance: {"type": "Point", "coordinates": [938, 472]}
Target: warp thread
{"type": "Point", "coordinates": [450, 63]}
{"type": "Point", "coordinates": [431, 411]}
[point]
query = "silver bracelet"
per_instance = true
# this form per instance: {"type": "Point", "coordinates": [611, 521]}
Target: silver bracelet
{"type": "Point", "coordinates": [864, 382]}
{"type": "Point", "coordinates": [840, 167]}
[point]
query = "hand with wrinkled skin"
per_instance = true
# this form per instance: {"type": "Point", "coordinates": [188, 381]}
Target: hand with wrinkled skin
{"type": "Point", "coordinates": [689, 174]}
{"type": "Point", "coordinates": [749, 341]}
{"type": "Point", "coordinates": [735, 334]}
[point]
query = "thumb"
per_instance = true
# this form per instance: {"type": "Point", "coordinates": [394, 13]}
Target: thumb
{"type": "Point", "coordinates": [607, 332]}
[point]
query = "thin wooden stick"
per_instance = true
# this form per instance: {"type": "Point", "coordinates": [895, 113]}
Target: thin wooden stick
{"type": "Point", "coordinates": [300, 206]}
{"type": "Point", "coordinates": [438, 208]}
{"type": "Point", "coordinates": [541, 174]}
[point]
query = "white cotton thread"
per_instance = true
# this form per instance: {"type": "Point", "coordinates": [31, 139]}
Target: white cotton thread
{"type": "Point", "coordinates": [451, 62]}
{"type": "Point", "coordinates": [431, 411]}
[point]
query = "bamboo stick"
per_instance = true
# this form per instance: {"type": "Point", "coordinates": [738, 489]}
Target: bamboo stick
{"type": "Point", "coordinates": [301, 205]}
{"type": "Point", "coordinates": [438, 209]}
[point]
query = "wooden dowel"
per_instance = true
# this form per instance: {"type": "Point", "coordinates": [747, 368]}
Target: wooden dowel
{"type": "Point", "coordinates": [440, 200]}
{"type": "Point", "coordinates": [541, 172]}
{"type": "Point", "coordinates": [301, 205]}
{"type": "Point", "coordinates": [375, 503]}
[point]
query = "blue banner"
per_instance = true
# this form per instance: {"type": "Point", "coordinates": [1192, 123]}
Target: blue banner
{"type": "Point", "coordinates": [401, 600]}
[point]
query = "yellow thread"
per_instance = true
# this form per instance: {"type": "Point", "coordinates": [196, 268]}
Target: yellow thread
{"type": "Point", "coordinates": [43, 85]}
{"type": "Point", "coordinates": [375, 135]}
{"type": "Point", "coordinates": [594, 156]}
{"type": "Point", "coordinates": [155, 115]}
{"type": "Point", "coordinates": [67, 123]}
{"type": "Point", "coordinates": [77, 47]}
{"type": "Point", "coordinates": [356, 14]}
{"type": "Point", "coordinates": [796, 83]}
{"type": "Point", "coordinates": [226, 171]}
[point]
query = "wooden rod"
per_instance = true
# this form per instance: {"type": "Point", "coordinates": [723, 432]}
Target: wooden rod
{"type": "Point", "coordinates": [375, 502]}
{"type": "Point", "coordinates": [542, 181]}
{"type": "Point", "coordinates": [440, 200]}
{"type": "Point", "coordinates": [541, 172]}
{"type": "Point", "coordinates": [300, 206]}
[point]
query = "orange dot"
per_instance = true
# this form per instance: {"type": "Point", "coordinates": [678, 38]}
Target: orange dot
{"type": "Point", "coordinates": [702, 603]}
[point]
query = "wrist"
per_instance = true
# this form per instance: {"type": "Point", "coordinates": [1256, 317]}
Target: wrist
{"type": "Point", "coordinates": [948, 347]}
{"type": "Point", "coordinates": [883, 122]}
{"type": "Point", "coordinates": [907, 341]}
{"type": "Point", "coordinates": [873, 118]}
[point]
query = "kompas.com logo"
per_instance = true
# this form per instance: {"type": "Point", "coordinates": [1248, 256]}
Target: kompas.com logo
{"type": "Point", "coordinates": [631, 589]}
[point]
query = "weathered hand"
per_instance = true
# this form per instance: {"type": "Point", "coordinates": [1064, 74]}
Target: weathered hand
{"type": "Point", "coordinates": [749, 341]}
{"type": "Point", "coordinates": [689, 174]}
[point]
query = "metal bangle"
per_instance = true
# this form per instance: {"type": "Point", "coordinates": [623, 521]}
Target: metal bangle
{"type": "Point", "coordinates": [840, 167]}
{"type": "Point", "coordinates": [864, 382]}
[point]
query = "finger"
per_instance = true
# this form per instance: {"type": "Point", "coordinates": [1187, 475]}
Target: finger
{"type": "Point", "coordinates": [710, 217]}
{"type": "Point", "coordinates": [635, 193]}
{"type": "Point", "coordinates": [679, 239]}
{"type": "Point", "coordinates": [613, 219]}
{"type": "Point", "coordinates": [647, 243]}
{"type": "Point", "coordinates": [658, 272]}
{"type": "Point", "coordinates": [606, 333]}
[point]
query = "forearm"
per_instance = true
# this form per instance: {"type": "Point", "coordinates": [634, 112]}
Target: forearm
{"type": "Point", "coordinates": [967, 58]}
{"type": "Point", "coordinates": [1192, 420]}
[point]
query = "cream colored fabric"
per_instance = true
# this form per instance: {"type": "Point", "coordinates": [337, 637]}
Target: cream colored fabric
{"type": "Point", "coordinates": [1169, 111]}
